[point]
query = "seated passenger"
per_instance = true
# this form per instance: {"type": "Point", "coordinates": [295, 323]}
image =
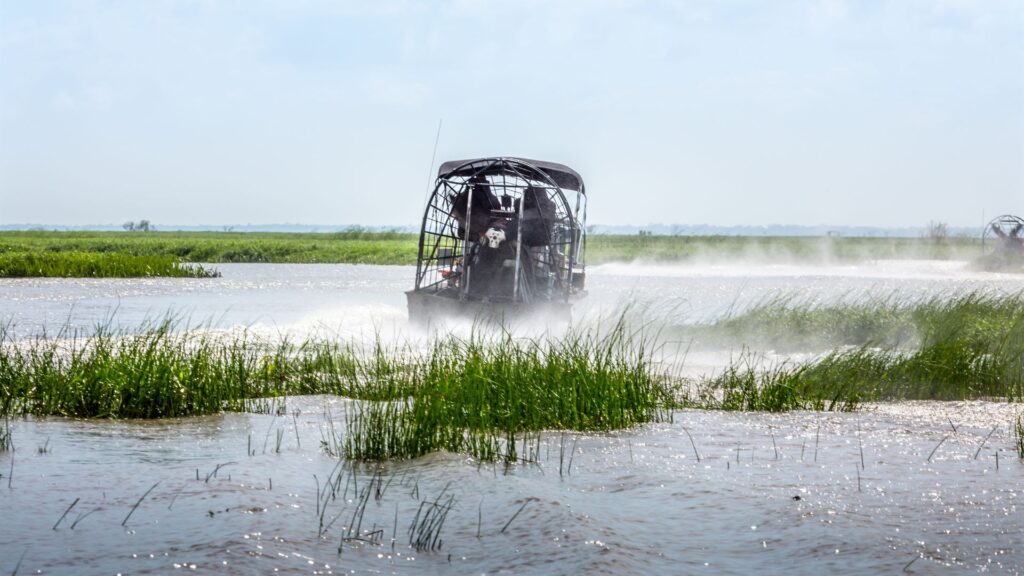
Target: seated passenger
{"type": "Point", "coordinates": [491, 275]}
{"type": "Point", "coordinates": [480, 212]}
{"type": "Point", "coordinates": [538, 217]}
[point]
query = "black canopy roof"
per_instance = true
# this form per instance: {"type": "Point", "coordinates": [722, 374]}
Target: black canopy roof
{"type": "Point", "coordinates": [562, 175]}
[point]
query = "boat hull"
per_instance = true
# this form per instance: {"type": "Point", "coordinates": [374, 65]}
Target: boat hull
{"type": "Point", "coordinates": [435, 309]}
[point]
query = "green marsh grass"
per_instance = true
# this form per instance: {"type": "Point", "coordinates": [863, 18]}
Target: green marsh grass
{"type": "Point", "coordinates": [359, 246]}
{"type": "Point", "coordinates": [483, 395]}
{"type": "Point", "coordinates": [96, 265]}
{"type": "Point", "coordinates": [785, 322]}
{"type": "Point", "coordinates": [960, 347]}
{"type": "Point", "coordinates": [153, 373]}
{"type": "Point", "coordinates": [477, 396]}
{"type": "Point", "coordinates": [821, 385]}
{"type": "Point", "coordinates": [804, 249]}
{"type": "Point", "coordinates": [354, 246]}
{"type": "Point", "coordinates": [976, 319]}
{"type": "Point", "coordinates": [493, 396]}
{"type": "Point", "coordinates": [163, 371]}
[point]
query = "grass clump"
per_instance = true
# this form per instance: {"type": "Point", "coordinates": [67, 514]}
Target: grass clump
{"type": "Point", "coordinates": [969, 346]}
{"type": "Point", "coordinates": [154, 373]}
{"type": "Point", "coordinates": [159, 371]}
{"type": "Point", "coordinates": [476, 396]}
{"type": "Point", "coordinates": [786, 323]}
{"type": "Point", "coordinates": [480, 396]}
{"type": "Point", "coordinates": [828, 384]}
{"type": "Point", "coordinates": [96, 265]}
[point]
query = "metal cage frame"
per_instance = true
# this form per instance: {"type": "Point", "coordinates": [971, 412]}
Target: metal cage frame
{"type": "Point", "coordinates": [542, 226]}
{"type": "Point", "coordinates": [1004, 235]}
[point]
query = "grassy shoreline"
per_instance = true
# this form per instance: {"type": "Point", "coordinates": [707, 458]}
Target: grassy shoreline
{"type": "Point", "coordinates": [399, 248]}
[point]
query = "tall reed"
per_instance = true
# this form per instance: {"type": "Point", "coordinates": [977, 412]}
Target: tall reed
{"type": "Point", "coordinates": [6, 436]}
{"type": "Point", "coordinates": [491, 396]}
{"type": "Point", "coordinates": [944, 348]}
{"type": "Point", "coordinates": [1018, 435]}
{"type": "Point", "coordinates": [789, 322]}
{"type": "Point", "coordinates": [476, 395]}
{"type": "Point", "coordinates": [480, 395]}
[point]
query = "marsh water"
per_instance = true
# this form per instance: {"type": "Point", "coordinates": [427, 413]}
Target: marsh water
{"type": "Point", "coordinates": [913, 487]}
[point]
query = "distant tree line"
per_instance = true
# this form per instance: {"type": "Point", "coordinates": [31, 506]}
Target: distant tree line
{"type": "Point", "coordinates": [140, 226]}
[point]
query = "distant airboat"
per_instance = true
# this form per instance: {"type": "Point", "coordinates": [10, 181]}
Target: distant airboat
{"type": "Point", "coordinates": [501, 238]}
{"type": "Point", "coordinates": [1003, 244]}
{"type": "Point", "coordinates": [1004, 235]}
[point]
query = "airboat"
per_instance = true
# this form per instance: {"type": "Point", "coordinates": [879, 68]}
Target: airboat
{"type": "Point", "coordinates": [1003, 242]}
{"type": "Point", "coordinates": [501, 239]}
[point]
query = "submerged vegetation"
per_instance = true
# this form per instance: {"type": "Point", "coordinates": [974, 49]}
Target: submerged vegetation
{"type": "Point", "coordinates": [491, 396]}
{"type": "Point", "coordinates": [96, 265]}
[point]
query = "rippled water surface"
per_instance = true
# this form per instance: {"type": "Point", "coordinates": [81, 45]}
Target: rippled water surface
{"type": "Point", "coordinates": [911, 487]}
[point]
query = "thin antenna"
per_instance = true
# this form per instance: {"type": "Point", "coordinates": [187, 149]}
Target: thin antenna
{"type": "Point", "coordinates": [433, 158]}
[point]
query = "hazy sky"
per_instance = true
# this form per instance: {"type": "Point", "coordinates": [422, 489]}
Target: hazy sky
{"type": "Point", "coordinates": [881, 113]}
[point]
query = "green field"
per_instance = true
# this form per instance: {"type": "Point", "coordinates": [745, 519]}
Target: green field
{"type": "Point", "coordinates": [361, 247]}
{"type": "Point", "coordinates": [355, 247]}
{"type": "Point", "coordinates": [782, 249]}
{"type": "Point", "coordinates": [43, 264]}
